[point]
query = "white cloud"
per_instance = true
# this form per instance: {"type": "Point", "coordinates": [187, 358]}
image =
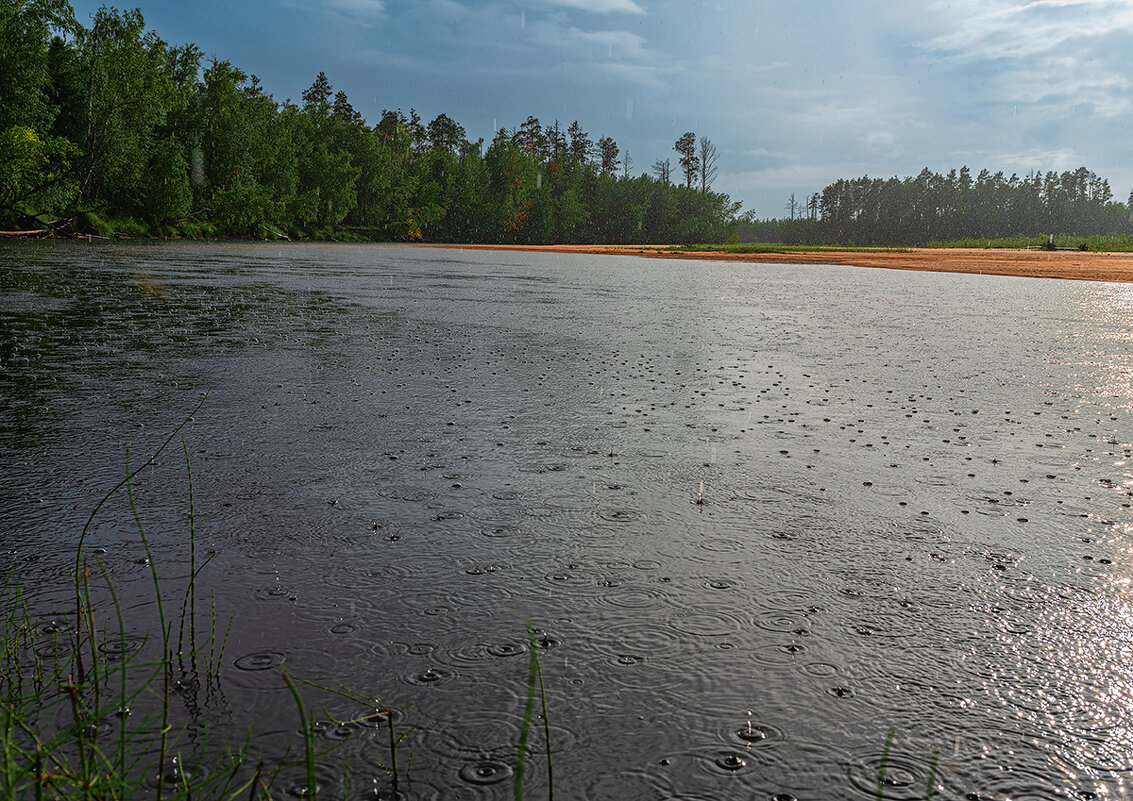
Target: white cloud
{"type": "Point", "coordinates": [1041, 49]}
{"type": "Point", "coordinates": [878, 138]}
{"type": "Point", "coordinates": [999, 29]}
{"type": "Point", "coordinates": [1068, 82]}
{"type": "Point", "coordinates": [601, 6]}
{"type": "Point", "coordinates": [787, 178]}
{"type": "Point", "coordinates": [1057, 160]}
{"type": "Point", "coordinates": [360, 10]}
{"type": "Point", "coordinates": [650, 75]}
{"type": "Point", "coordinates": [619, 44]}
{"type": "Point", "coordinates": [764, 153]}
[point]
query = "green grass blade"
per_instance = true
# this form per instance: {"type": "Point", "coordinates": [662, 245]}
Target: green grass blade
{"type": "Point", "coordinates": [308, 738]}
{"type": "Point", "coordinates": [884, 763]}
{"type": "Point", "coordinates": [546, 718]}
{"type": "Point", "coordinates": [528, 709]}
{"type": "Point", "coordinates": [931, 790]}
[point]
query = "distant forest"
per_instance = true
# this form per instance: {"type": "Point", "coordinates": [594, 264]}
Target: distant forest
{"type": "Point", "coordinates": [946, 208]}
{"type": "Point", "coordinates": [109, 129]}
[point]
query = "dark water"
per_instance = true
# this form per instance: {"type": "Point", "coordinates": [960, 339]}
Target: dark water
{"type": "Point", "coordinates": [758, 514]}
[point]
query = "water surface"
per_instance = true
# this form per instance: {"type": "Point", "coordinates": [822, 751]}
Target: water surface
{"type": "Point", "coordinates": [759, 514]}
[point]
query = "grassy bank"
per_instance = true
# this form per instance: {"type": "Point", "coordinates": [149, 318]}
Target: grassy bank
{"type": "Point", "coordinates": [1095, 244]}
{"type": "Point", "coordinates": [771, 247]}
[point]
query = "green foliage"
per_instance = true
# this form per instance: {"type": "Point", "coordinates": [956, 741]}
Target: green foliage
{"type": "Point", "coordinates": [931, 207]}
{"type": "Point", "coordinates": [777, 248]}
{"type": "Point", "coordinates": [35, 184]}
{"type": "Point", "coordinates": [35, 180]}
{"type": "Point", "coordinates": [114, 120]}
{"type": "Point", "coordinates": [1113, 243]}
{"type": "Point", "coordinates": [113, 123]}
{"type": "Point", "coordinates": [166, 194]}
{"type": "Point", "coordinates": [127, 97]}
{"type": "Point", "coordinates": [26, 28]}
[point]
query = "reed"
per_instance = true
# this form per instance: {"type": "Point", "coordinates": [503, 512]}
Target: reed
{"type": "Point", "coordinates": [930, 789]}
{"type": "Point", "coordinates": [779, 247]}
{"type": "Point", "coordinates": [534, 679]}
{"type": "Point", "coordinates": [116, 738]}
{"type": "Point", "coordinates": [884, 763]}
{"type": "Point", "coordinates": [374, 712]}
{"type": "Point", "coordinates": [1097, 243]}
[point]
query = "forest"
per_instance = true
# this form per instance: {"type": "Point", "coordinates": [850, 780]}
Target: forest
{"type": "Point", "coordinates": [109, 129]}
{"type": "Point", "coordinates": [939, 209]}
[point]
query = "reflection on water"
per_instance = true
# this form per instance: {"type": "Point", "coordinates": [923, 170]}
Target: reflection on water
{"type": "Point", "coordinates": [758, 514]}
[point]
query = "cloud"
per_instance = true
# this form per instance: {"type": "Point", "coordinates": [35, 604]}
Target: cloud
{"type": "Point", "coordinates": [601, 6]}
{"type": "Point", "coordinates": [997, 29]}
{"type": "Point", "coordinates": [359, 10]}
{"type": "Point", "coordinates": [443, 11]}
{"type": "Point", "coordinates": [1069, 82]}
{"type": "Point", "coordinates": [1061, 52]}
{"type": "Point", "coordinates": [620, 44]}
{"type": "Point", "coordinates": [650, 75]}
{"type": "Point", "coordinates": [879, 138]}
{"type": "Point", "coordinates": [1058, 160]}
{"type": "Point", "coordinates": [764, 153]}
{"type": "Point", "coordinates": [783, 179]}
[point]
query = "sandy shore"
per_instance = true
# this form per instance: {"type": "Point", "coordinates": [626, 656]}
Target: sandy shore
{"type": "Point", "coordinates": [1026, 263]}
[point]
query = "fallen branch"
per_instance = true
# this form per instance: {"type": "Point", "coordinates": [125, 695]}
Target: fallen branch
{"type": "Point", "coordinates": [35, 232]}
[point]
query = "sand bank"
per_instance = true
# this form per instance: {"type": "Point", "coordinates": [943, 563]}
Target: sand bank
{"type": "Point", "coordinates": [1026, 263]}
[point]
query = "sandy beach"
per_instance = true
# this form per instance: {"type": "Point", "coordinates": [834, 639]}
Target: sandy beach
{"type": "Point", "coordinates": [1077, 265]}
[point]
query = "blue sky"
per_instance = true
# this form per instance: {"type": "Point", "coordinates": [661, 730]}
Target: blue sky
{"type": "Point", "coordinates": [794, 94]}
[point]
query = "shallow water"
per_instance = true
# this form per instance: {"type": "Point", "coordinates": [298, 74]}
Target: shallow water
{"type": "Point", "coordinates": [759, 514]}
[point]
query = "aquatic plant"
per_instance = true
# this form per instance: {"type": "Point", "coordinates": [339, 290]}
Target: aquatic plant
{"type": "Point", "coordinates": [534, 677]}
{"type": "Point", "coordinates": [374, 712]}
{"type": "Point", "coordinates": [930, 790]}
{"type": "Point", "coordinates": [1115, 243]}
{"type": "Point", "coordinates": [86, 713]}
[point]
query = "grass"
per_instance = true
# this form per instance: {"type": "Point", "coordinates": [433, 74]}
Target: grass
{"type": "Point", "coordinates": [771, 247]}
{"type": "Point", "coordinates": [1096, 244]}
{"type": "Point", "coordinates": [84, 715]}
{"type": "Point", "coordinates": [534, 678]}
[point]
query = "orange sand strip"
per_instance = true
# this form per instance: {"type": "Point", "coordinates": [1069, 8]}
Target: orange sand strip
{"type": "Point", "coordinates": [1026, 263]}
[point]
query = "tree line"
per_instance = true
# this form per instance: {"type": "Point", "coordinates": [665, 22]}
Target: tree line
{"type": "Point", "coordinates": [932, 207]}
{"type": "Point", "coordinates": [111, 123]}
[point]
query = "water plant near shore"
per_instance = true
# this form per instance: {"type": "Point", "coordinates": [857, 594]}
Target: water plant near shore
{"type": "Point", "coordinates": [86, 707]}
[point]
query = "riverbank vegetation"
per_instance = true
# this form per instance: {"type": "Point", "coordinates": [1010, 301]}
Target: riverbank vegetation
{"type": "Point", "coordinates": [111, 130]}
{"type": "Point", "coordinates": [956, 209]}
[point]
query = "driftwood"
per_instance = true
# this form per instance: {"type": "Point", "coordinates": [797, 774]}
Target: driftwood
{"type": "Point", "coordinates": [36, 232]}
{"type": "Point", "coordinates": [43, 227]}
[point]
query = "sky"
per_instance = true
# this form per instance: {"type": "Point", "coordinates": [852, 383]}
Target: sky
{"type": "Point", "coordinates": [794, 95]}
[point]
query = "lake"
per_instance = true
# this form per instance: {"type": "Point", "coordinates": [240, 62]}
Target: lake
{"type": "Point", "coordinates": [757, 514]}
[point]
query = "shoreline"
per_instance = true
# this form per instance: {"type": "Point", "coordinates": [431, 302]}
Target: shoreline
{"type": "Point", "coordinates": [1073, 265]}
